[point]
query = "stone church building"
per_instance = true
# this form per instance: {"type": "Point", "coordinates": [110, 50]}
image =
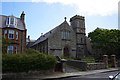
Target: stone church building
{"type": "Point", "coordinates": [65, 40]}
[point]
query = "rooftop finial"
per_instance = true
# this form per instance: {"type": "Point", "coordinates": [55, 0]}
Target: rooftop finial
{"type": "Point", "coordinates": [65, 18]}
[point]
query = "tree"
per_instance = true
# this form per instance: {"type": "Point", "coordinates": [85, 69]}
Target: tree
{"type": "Point", "coordinates": [106, 40]}
{"type": "Point", "coordinates": [5, 43]}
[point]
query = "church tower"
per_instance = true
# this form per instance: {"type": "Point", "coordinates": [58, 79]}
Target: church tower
{"type": "Point", "coordinates": [78, 25]}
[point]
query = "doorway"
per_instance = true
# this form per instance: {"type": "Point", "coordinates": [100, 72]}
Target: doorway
{"type": "Point", "coordinates": [66, 52]}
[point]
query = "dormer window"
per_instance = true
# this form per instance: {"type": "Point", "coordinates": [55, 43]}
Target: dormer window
{"type": "Point", "coordinates": [7, 22]}
{"type": "Point", "coordinates": [11, 20]}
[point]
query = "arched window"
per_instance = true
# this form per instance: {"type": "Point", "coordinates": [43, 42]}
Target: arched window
{"type": "Point", "coordinates": [65, 34]}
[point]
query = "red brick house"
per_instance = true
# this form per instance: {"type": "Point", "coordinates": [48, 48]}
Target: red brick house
{"type": "Point", "coordinates": [14, 29]}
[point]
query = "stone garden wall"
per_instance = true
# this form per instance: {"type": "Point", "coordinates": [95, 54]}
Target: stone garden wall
{"type": "Point", "coordinates": [80, 65]}
{"type": "Point", "coordinates": [96, 66]}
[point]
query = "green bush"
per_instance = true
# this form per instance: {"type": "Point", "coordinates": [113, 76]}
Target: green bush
{"type": "Point", "coordinates": [32, 51]}
{"type": "Point", "coordinates": [67, 58]}
{"type": "Point", "coordinates": [88, 59]}
{"type": "Point", "coordinates": [25, 62]}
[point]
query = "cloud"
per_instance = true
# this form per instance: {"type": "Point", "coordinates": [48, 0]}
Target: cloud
{"type": "Point", "coordinates": [89, 7]}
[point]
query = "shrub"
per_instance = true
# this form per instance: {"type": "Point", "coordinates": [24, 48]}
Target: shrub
{"type": "Point", "coordinates": [67, 58]}
{"type": "Point", "coordinates": [32, 51]}
{"type": "Point", "coordinates": [25, 62]}
{"type": "Point", "coordinates": [88, 59]}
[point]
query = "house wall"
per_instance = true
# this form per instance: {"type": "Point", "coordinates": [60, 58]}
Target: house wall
{"type": "Point", "coordinates": [20, 43]}
{"type": "Point", "coordinates": [22, 40]}
{"type": "Point", "coordinates": [19, 26]}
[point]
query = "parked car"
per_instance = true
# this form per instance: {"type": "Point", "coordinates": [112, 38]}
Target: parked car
{"type": "Point", "coordinates": [116, 77]}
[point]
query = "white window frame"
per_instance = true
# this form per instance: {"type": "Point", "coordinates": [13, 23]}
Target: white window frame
{"type": "Point", "coordinates": [5, 34]}
{"type": "Point", "coordinates": [11, 20]}
{"type": "Point", "coordinates": [11, 33]}
{"type": "Point", "coordinates": [10, 48]}
{"type": "Point", "coordinates": [15, 21]}
{"type": "Point", "coordinates": [16, 35]}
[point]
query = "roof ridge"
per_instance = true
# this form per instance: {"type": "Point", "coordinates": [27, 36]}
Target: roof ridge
{"type": "Point", "coordinates": [47, 34]}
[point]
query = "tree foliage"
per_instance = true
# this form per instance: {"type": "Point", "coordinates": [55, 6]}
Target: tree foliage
{"type": "Point", "coordinates": [106, 40]}
{"type": "Point", "coordinates": [5, 43]}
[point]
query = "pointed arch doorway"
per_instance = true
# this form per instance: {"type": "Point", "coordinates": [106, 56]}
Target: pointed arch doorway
{"type": "Point", "coordinates": [66, 52]}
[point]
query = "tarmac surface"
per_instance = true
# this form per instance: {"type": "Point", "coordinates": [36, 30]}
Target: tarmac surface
{"type": "Point", "coordinates": [71, 74]}
{"type": "Point", "coordinates": [76, 75]}
{"type": "Point", "coordinates": [98, 76]}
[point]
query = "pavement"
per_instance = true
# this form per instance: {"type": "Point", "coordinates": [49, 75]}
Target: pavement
{"type": "Point", "coordinates": [74, 74]}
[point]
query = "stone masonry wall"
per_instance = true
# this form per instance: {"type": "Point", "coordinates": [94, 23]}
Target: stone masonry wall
{"type": "Point", "coordinates": [96, 66]}
{"type": "Point", "coordinates": [56, 45]}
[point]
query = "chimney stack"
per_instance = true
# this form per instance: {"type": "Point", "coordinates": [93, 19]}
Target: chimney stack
{"type": "Point", "coordinates": [28, 37]}
{"type": "Point", "coordinates": [41, 34]}
{"type": "Point", "coordinates": [22, 17]}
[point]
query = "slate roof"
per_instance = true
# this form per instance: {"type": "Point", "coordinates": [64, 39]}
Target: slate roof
{"type": "Point", "coordinates": [99, 28]}
{"type": "Point", "coordinates": [20, 24]}
{"type": "Point", "coordinates": [46, 35]}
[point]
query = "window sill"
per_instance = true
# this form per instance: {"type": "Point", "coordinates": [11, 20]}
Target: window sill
{"type": "Point", "coordinates": [66, 39]}
{"type": "Point", "coordinates": [11, 38]}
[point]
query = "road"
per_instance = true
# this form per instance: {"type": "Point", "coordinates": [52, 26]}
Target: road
{"type": "Point", "coordinates": [98, 76]}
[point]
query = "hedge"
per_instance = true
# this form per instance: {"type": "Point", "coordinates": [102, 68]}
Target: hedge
{"type": "Point", "coordinates": [26, 62]}
{"type": "Point", "coordinates": [31, 51]}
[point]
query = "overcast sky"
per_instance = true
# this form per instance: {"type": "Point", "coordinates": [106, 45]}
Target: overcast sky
{"type": "Point", "coordinates": [43, 15]}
